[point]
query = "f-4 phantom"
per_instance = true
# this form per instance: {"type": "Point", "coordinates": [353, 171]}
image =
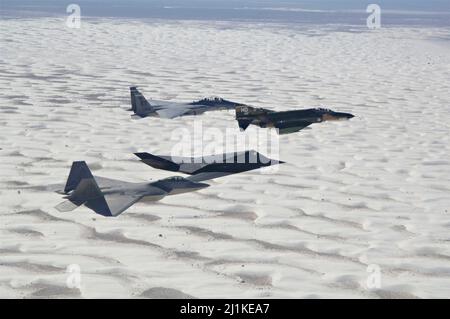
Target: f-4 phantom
{"type": "Point", "coordinates": [110, 197]}
{"type": "Point", "coordinates": [166, 109]}
{"type": "Point", "coordinates": [286, 121]}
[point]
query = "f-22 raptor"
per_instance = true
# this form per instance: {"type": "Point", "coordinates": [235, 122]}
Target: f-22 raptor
{"type": "Point", "coordinates": [166, 109]}
{"type": "Point", "coordinates": [286, 121]}
{"type": "Point", "coordinates": [110, 197]}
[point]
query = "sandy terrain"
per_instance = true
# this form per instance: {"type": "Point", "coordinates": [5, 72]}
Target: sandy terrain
{"type": "Point", "coordinates": [375, 190]}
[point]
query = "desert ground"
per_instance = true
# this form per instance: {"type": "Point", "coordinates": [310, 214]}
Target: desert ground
{"type": "Point", "coordinates": [372, 193]}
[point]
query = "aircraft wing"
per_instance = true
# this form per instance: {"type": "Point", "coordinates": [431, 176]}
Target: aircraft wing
{"type": "Point", "coordinates": [285, 127]}
{"type": "Point", "coordinates": [171, 112]}
{"type": "Point", "coordinates": [112, 204]}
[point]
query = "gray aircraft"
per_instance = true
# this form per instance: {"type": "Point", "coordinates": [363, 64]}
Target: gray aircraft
{"type": "Point", "coordinates": [166, 109]}
{"type": "Point", "coordinates": [286, 121]}
{"type": "Point", "coordinates": [109, 197]}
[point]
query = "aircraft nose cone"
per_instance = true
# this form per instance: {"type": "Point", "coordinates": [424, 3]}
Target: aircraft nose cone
{"type": "Point", "coordinates": [199, 185]}
{"type": "Point", "coordinates": [346, 116]}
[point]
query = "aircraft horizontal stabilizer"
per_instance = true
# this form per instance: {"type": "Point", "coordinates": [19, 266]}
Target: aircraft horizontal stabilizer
{"type": "Point", "coordinates": [66, 206]}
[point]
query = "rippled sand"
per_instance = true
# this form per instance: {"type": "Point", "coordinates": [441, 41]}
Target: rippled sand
{"type": "Point", "coordinates": [374, 190]}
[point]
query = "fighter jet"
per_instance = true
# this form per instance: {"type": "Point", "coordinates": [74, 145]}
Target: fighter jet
{"type": "Point", "coordinates": [209, 167]}
{"type": "Point", "coordinates": [165, 109]}
{"type": "Point", "coordinates": [286, 121]}
{"type": "Point", "coordinates": [110, 197]}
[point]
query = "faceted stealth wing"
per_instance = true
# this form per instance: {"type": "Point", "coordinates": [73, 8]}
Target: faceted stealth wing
{"type": "Point", "coordinates": [112, 204]}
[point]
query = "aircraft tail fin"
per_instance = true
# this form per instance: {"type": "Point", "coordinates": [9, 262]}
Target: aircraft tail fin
{"type": "Point", "coordinates": [139, 104]}
{"type": "Point", "coordinates": [86, 190]}
{"type": "Point", "coordinates": [78, 172]}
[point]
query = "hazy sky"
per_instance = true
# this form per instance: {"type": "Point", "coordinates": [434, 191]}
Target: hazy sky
{"type": "Point", "coordinates": [407, 5]}
{"type": "Point", "coordinates": [395, 12]}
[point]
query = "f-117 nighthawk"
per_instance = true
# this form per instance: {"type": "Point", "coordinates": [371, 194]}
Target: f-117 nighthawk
{"type": "Point", "coordinates": [209, 167]}
{"type": "Point", "coordinates": [110, 197]}
{"type": "Point", "coordinates": [166, 109]}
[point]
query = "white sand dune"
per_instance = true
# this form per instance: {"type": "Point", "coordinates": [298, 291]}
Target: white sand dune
{"type": "Point", "coordinates": [375, 190]}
